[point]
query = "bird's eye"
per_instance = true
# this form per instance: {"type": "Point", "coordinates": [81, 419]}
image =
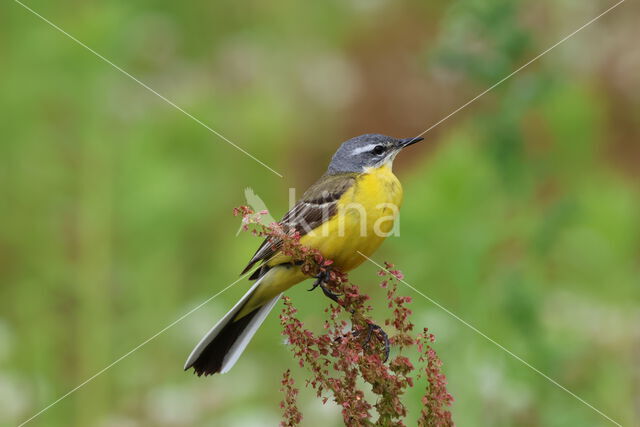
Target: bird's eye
{"type": "Point", "coordinates": [378, 150]}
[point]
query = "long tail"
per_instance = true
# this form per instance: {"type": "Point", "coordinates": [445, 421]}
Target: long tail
{"type": "Point", "coordinates": [221, 347]}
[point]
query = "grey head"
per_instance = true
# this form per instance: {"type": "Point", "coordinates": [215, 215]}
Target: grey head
{"type": "Point", "coordinates": [367, 151]}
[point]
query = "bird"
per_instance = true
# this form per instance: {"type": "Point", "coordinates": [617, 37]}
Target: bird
{"type": "Point", "coordinates": [346, 214]}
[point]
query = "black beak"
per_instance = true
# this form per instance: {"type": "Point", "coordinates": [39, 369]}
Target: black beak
{"type": "Point", "coordinates": [409, 141]}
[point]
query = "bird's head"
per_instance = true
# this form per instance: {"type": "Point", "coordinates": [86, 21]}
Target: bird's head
{"type": "Point", "coordinates": [367, 151]}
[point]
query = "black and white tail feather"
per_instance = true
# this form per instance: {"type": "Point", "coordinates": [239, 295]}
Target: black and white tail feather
{"type": "Point", "coordinates": [222, 346]}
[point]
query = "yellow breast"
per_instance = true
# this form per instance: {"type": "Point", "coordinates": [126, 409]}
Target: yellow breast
{"type": "Point", "coordinates": [365, 217]}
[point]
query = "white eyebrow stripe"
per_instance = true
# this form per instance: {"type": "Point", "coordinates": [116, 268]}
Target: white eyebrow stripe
{"type": "Point", "coordinates": [363, 149]}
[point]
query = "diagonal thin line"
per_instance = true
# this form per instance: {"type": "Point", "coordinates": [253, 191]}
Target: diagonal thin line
{"type": "Point", "coordinates": [130, 352]}
{"type": "Point", "coordinates": [503, 348]}
{"type": "Point", "coordinates": [144, 85]}
{"type": "Point", "coordinates": [549, 49]}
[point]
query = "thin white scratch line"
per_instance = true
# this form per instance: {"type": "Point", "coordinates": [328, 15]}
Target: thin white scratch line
{"type": "Point", "coordinates": [124, 356]}
{"type": "Point", "coordinates": [521, 68]}
{"type": "Point", "coordinates": [503, 348]}
{"type": "Point", "coordinates": [144, 85]}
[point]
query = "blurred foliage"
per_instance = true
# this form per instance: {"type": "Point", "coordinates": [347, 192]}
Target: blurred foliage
{"type": "Point", "coordinates": [520, 215]}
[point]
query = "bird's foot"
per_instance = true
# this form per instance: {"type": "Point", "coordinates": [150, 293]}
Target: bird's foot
{"type": "Point", "coordinates": [370, 330]}
{"type": "Point", "coordinates": [381, 335]}
{"type": "Point", "coordinates": [321, 280]}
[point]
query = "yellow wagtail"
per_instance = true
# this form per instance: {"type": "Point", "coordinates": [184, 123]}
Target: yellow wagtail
{"type": "Point", "coordinates": [350, 209]}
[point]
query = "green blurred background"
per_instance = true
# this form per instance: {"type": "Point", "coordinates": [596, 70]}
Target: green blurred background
{"type": "Point", "coordinates": [521, 212]}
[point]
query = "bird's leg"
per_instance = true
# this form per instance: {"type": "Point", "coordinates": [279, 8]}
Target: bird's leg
{"type": "Point", "coordinates": [321, 280]}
